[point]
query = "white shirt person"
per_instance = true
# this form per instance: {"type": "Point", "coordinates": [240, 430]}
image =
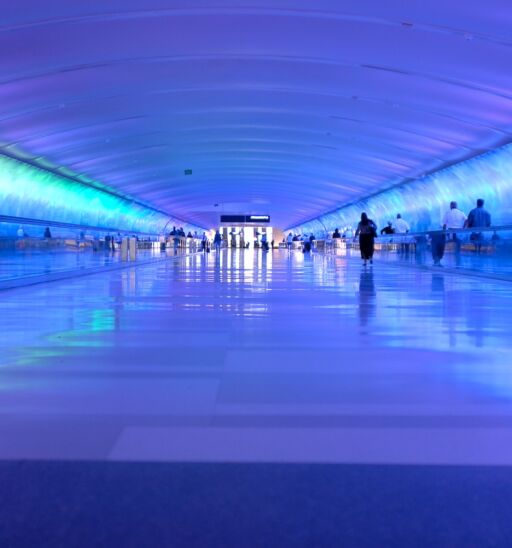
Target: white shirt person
{"type": "Point", "coordinates": [401, 226]}
{"type": "Point", "coordinates": [454, 218]}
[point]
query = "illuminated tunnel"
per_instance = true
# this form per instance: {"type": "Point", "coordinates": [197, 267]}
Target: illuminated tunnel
{"type": "Point", "coordinates": [29, 194]}
{"type": "Point", "coordinates": [262, 383]}
{"type": "Point", "coordinates": [184, 109]}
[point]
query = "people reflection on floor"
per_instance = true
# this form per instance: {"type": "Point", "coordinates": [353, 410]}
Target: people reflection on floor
{"type": "Point", "coordinates": [438, 283]}
{"type": "Point", "coordinates": [438, 244]}
{"type": "Point", "coordinates": [366, 230]}
{"type": "Point", "coordinates": [367, 295]}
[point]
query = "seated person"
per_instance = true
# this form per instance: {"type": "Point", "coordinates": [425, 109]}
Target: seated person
{"type": "Point", "coordinates": [388, 229]}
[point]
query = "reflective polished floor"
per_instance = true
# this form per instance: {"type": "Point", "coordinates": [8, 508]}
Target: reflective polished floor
{"type": "Point", "coordinates": [25, 267]}
{"type": "Point", "coordinates": [492, 264]}
{"type": "Point", "coordinates": [252, 357]}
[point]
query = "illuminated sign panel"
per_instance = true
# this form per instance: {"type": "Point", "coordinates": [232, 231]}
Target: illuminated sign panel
{"type": "Point", "coordinates": [245, 218]}
{"type": "Point", "coordinates": [232, 218]}
{"type": "Point", "coordinates": [258, 219]}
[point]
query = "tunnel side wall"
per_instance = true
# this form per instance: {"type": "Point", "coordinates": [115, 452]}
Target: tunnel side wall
{"type": "Point", "coordinates": [423, 202]}
{"type": "Point", "coordinates": [32, 193]}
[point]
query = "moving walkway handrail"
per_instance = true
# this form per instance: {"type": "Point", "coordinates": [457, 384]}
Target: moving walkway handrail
{"type": "Point", "coordinates": [497, 228]}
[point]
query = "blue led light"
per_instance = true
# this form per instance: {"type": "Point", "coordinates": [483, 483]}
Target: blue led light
{"type": "Point", "coordinates": [29, 192]}
{"type": "Point", "coordinates": [423, 202]}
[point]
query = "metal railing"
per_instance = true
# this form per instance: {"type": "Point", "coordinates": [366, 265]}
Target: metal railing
{"type": "Point", "coordinates": [464, 235]}
{"type": "Point", "coordinates": [483, 251]}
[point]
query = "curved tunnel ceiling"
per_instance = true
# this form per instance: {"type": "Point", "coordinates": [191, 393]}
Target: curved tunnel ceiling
{"type": "Point", "coordinates": [290, 108]}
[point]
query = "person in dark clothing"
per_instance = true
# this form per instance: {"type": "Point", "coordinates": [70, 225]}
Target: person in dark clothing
{"type": "Point", "coordinates": [306, 244]}
{"type": "Point", "coordinates": [176, 240]}
{"type": "Point", "coordinates": [204, 242]}
{"type": "Point", "coordinates": [388, 229]}
{"type": "Point", "coordinates": [478, 218]}
{"type": "Point", "coordinates": [47, 233]}
{"type": "Point", "coordinates": [336, 233]}
{"type": "Point", "coordinates": [217, 241]}
{"type": "Point", "coordinates": [264, 242]}
{"type": "Point", "coordinates": [366, 230]}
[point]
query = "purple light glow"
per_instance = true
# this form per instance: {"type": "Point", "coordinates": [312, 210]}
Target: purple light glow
{"type": "Point", "coordinates": [336, 100]}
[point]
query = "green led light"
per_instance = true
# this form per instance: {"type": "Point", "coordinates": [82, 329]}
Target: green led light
{"type": "Point", "coordinates": [30, 192]}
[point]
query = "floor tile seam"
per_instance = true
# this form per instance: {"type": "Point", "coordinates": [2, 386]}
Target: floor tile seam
{"type": "Point", "coordinates": [206, 420]}
{"type": "Point", "coordinates": [225, 413]}
{"type": "Point", "coordinates": [428, 445]}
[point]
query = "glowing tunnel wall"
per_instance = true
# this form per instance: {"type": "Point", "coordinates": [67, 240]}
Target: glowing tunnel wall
{"type": "Point", "coordinates": [423, 202]}
{"type": "Point", "coordinates": [29, 192]}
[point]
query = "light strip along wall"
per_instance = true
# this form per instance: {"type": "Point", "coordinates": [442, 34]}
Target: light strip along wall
{"type": "Point", "coordinates": [30, 192]}
{"type": "Point", "coordinates": [423, 202]}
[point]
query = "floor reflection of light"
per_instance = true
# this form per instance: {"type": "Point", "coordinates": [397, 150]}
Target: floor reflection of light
{"type": "Point", "coordinates": [95, 321]}
{"type": "Point", "coordinates": [399, 309]}
{"type": "Point", "coordinates": [30, 356]}
{"type": "Point", "coordinates": [249, 265]}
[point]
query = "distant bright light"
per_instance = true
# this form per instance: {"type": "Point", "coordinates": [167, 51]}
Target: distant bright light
{"type": "Point", "coordinates": [259, 217]}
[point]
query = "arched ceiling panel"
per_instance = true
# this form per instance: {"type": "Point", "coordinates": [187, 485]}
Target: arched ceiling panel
{"type": "Point", "coordinates": [263, 101]}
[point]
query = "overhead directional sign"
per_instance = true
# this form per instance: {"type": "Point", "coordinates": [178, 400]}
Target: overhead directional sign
{"type": "Point", "coordinates": [245, 218]}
